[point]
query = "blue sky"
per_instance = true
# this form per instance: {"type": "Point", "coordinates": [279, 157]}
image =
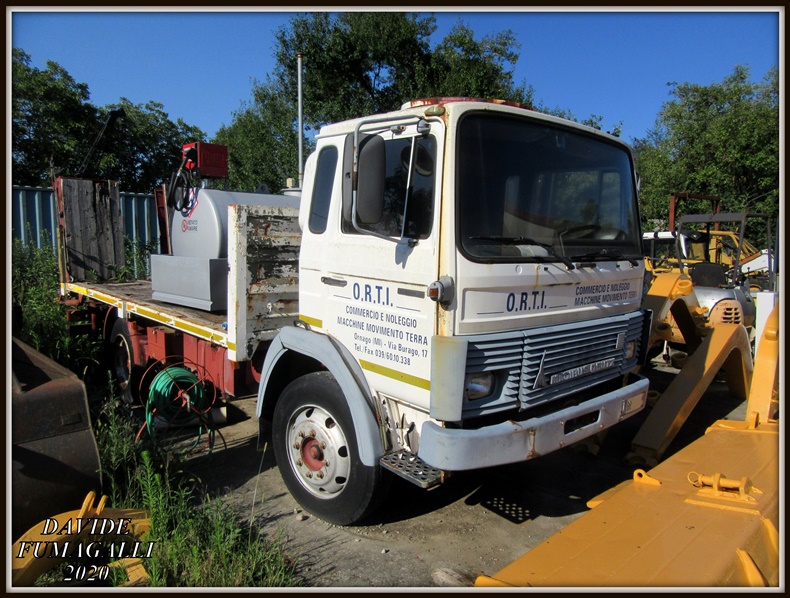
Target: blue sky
{"type": "Point", "coordinates": [200, 66]}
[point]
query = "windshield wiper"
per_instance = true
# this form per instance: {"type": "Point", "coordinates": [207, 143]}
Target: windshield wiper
{"type": "Point", "coordinates": [513, 241]}
{"type": "Point", "coordinates": [610, 254]}
{"type": "Point", "coordinates": [526, 241]}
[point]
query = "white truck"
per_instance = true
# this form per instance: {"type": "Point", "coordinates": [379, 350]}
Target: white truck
{"type": "Point", "coordinates": [470, 279]}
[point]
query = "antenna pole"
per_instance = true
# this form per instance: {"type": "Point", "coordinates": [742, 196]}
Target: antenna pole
{"type": "Point", "coordinates": [301, 124]}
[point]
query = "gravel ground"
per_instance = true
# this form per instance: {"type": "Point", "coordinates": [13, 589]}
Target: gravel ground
{"type": "Point", "coordinates": [476, 523]}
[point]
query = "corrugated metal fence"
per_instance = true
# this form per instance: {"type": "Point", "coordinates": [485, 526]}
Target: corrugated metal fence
{"type": "Point", "coordinates": [34, 217]}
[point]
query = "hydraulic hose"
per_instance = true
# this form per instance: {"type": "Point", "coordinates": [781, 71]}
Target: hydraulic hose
{"type": "Point", "coordinates": [186, 177]}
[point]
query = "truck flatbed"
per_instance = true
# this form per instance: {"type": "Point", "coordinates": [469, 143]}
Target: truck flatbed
{"type": "Point", "coordinates": [135, 298]}
{"type": "Point", "coordinates": [262, 291]}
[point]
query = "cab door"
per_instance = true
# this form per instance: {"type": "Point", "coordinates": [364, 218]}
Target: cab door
{"type": "Point", "coordinates": [371, 277]}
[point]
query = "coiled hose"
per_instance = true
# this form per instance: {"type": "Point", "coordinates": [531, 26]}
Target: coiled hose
{"type": "Point", "coordinates": [177, 397]}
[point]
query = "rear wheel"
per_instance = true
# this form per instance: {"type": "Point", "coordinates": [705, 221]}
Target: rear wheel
{"type": "Point", "coordinates": [123, 364]}
{"type": "Point", "coordinates": [317, 452]}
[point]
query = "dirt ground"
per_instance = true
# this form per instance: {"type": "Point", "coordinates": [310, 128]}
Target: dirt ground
{"type": "Point", "coordinates": [474, 524]}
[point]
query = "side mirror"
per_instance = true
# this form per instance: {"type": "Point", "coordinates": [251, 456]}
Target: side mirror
{"type": "Point", "coordinates": [371, 168]}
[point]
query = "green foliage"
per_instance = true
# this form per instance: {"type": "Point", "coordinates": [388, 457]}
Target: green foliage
{"type": "Point", "coordinates": [357, 64]}
{"type": "Point", "coordinates": [198, 541]}
{"type": "Point", "coordinates": [38, 318]}
{"type": "Point", "coordinates": [721, 140]}
{"type": "Point", "coordinates": [463, 66]}
{"type": "Point", "coordinates": [262, 141]}
{"type": "Point", "coordinates": [55, 127]}
{"type": "Point", "coordinates": [138, 260]}
{"type": "Point", "coordinates": [120, 454]}
{"type": "Point", "coordinates": [142, 149]}
{"type": "Point", "coordinates": [360, 63]}
{"type": "Point", "coordinates": [207, 546]}
{"type": "Point", "coordinates": [51, 119]}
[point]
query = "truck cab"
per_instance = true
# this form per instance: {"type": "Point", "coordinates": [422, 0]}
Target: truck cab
{"type": "Point", "coordinates": [470, 282]}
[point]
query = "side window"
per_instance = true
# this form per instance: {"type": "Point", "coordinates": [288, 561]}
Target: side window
{"type": "Point", "coordinates": [408, 189]}
{"type": "Point", "coordinates": [322, 189]}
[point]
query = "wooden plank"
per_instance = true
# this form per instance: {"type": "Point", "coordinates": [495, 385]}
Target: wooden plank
{"type": "Point", "coordinates": [109, 227]}
{"type": "Point", "coordinates": [163, 218]}
{"type": "Point", "coordinates": [263, 259]}
{"type": "Point", "coordinates": [93, 229]}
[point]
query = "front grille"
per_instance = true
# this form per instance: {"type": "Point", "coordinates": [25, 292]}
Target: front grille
{"type": "Point", "coordinates": [525, 361]}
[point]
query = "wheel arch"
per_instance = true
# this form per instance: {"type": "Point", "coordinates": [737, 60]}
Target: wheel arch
{"type": "Point", "coordinates": [289, 366]}
{"type": "Point", "coordinates": [134, 329]}
{"type": "Point", "coordinates": [295, 352]}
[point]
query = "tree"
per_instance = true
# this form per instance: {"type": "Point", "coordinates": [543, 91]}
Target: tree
{"type": "Point", "coordinates": [143, 148]}
{"type": "Point", "coordinates": [356, 64]}
{"type": "Point", "coordinates": [722, 140]}
{"type": "Point", "coordinates": [55, 129]}
{"type": "Point", "coordinates": [463, 66]}
{"type": "Point", "coordinates": [262, 141]}
{"type": "Point", "coordinates": [51, 119]}
{"type": "Point", "coordinates": [360, 63]}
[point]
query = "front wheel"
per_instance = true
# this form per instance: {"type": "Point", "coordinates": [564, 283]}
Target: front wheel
{"type": "Point", "coordinates": [317, 452]}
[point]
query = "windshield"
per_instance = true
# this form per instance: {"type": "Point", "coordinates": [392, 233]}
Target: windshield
{"type": "Point", "coordinates": [531, 191]}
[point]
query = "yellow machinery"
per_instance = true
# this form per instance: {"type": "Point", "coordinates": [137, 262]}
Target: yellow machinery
{"type": "Point", "coordinates": [723, 270]}
{"type": "Point", "coordinates": [43, 548]}
{"type": "Point", "coordinates": [724, 247]}
{"type": "Point", "coordinates": [711, 350]}
{"type": "Point", "coordinates": [706, 517]}
{"type": "Point", "coordinates": [720, 247]}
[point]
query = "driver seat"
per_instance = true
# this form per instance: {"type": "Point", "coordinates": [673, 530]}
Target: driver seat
{"type": "Point", "coordinates": [708, 274]}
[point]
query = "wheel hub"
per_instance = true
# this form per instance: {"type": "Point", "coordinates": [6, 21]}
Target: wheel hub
{"type": "Point", "coordinates": [312, 455]}
{"type": "Point", "coordinates": [318, 451]}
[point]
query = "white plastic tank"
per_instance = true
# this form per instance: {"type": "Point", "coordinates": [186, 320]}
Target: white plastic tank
{"type": "Point", "coordinates": [202, 230]}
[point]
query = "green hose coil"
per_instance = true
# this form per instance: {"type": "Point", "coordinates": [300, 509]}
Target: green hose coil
{"type": "Point", "coordinates": [176, 395]}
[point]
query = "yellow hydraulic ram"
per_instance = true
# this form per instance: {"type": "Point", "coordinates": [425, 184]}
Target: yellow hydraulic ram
{"type": "Point", "coordinates": [725, 348]}
{"type": "Point", "coordinates": [706, 517]}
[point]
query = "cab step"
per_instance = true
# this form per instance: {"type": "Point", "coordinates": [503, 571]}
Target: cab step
{"type": "Point", "coordinates": [409, 466]}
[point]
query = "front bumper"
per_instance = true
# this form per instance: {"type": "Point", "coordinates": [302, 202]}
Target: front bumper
{"type": "Point", "coordinates": [510, 442]}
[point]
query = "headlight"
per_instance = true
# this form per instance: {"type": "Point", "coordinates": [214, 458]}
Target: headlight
{"type": "Point", "coordinates": [477, 386]}
{"type": "Point", "coordinates": [630, 350]}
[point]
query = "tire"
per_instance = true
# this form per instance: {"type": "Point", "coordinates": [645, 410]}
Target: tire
{"type": "Point", "coordinates": [317, 452]}
{"type": "Point", "coordinates": [123, 363]}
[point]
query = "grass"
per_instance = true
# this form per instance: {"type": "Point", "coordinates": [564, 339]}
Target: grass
{"type": "Point", "coordinates": [198, 540]}
{"type": "Point", "coordinates": [39, 319]}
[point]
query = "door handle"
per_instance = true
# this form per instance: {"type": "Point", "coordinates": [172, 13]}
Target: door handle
{"type": "Point", "coordinates": [333, 282]}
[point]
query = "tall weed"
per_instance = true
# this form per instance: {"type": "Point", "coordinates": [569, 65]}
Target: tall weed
{"type": "Point", "coordinates": [138, 260]}
{"type": "Point", "coordinates": [38, 318]}
{"type": "Point", "coordinates": [198, 541]}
